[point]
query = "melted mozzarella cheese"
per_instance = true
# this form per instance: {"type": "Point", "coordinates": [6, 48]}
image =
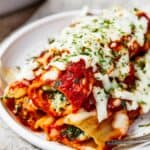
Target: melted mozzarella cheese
{"type": "Point", "coordinates": [26, 72]}
{"type": "Point", "coordinates": [91, 29]}
{"type": "Point", "coordinates": [79, 116]}
{"type": "Point", "coordinates": [60, 65]}
{"type": "Point", "coordinates": [141, 28]}
{"type": "Point", "coordinates": [132, 106]}
{"type": "Point", "coordinates": [105, 79]}
{"type": "Point", "coordinates": [51, 74]}
{"type": "Point", "coordinates": [122, 66]}
{"type": "Point", "coordinates": [141, 94]}
{"type": "Point", "coordinates": [101, 103]}
{"type": "Point", "coordinates": [121, 122]}
{"type": "Point", "coordinates": [122, 94]}
{"type": "Point", "coordinates": [86, 59]}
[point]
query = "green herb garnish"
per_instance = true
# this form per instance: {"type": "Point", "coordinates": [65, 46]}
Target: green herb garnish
{"type": "Point", "coordinates": [144, 125]}
{"type": "Point", "coordinates": [136, 9]}
{"type": "Point", "coordinates": [142, 102]}
{"type": "Point", "coordinates": [31, 58]}
{"type": "Point", "coordinates": [132, 26]}
{"type": "Point", "coordinates": [141, 64]}
{"type": "Point", "coordinates": [107, 23]}
{"type": "Point", "coordinates": [18, 68]}
{"type": "Point", "coordinates": [94, 30]}
{"type": "Point", "coordinates": [124, 105]}
{"type": "Point", "coordinates": [57, 83]}
{"type": "Point", "coordinates": [51, 40]}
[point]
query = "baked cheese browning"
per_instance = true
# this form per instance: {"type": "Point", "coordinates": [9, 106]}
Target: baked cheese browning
{"type": "Point", "coordinates": [90, 84]}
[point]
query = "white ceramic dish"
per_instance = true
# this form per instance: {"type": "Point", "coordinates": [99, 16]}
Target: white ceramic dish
{"type": "Point", "coordinates": [13, 52]}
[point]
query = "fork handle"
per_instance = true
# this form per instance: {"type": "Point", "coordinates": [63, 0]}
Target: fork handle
{"type": "Point", "coordinates": [124, 142]}
{"type": "Point", "coordinates": [135, 140]}
{"type": "Point", "coordinates": [135, 146]}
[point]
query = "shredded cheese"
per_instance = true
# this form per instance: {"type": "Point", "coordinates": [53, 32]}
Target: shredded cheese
{"type": "Point", "coordinates": [101, 103]}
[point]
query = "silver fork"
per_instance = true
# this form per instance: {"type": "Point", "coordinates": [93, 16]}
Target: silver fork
{"type": "Point", "coordinates": [141, 146]}
{"type": "Point", "coordinates": [134, 140]}
{"type": "Point", "coordinates": [130, 142]}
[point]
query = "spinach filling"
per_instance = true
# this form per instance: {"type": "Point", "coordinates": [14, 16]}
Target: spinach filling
{"type": "Point", "coordinates": [71, 132]}
{"type": "Point", "coordinates": [58, 100]}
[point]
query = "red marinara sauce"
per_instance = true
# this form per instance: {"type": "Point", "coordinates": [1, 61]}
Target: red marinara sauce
{"type": "Point", "coordinates": [76, 83]}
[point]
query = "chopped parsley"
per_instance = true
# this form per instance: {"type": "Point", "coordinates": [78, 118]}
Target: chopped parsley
{"type": "Point", "coordinates": [141, 64]}
{"type": "Point", "coordinates": [95, 20]}
{"type": "Point", "coordinates": [123, 104]}
{"type": "Point", "coordinates": [18, 68]}
{"type": "Point", "coordinates": [57, 83]}
{"type": "Point", "coordinates": [102, 61]}
{"type": "Point", "coordinates": [85, 53]}
{"type": "Point", "coordinates": [51, 40]}
{"type": "Point", "coordinates": [142, 102]}
{"type": "Point", "coordinates": [136, 9]}
{"type": "Point", "coordinates": [95, 30]}
{"type": "Point", "coordinates": [106, 23]}
{"type": "Point", "coordinates": [33, 58]}
{"type": "Point", "coordinates": [145, 125]}
{"type": "Point", "coordinates": [132, 26]}
{"type": "Point", "coordinates": [141, 27]}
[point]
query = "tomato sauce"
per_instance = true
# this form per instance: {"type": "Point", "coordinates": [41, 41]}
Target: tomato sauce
{"type": "Point", "coordinates": [90, 103]}
{"type": "Point", "coordinates": [76, 83]}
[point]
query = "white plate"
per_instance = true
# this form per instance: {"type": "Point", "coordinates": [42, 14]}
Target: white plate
{"type": "Point", "coordinates": [14, 51]}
